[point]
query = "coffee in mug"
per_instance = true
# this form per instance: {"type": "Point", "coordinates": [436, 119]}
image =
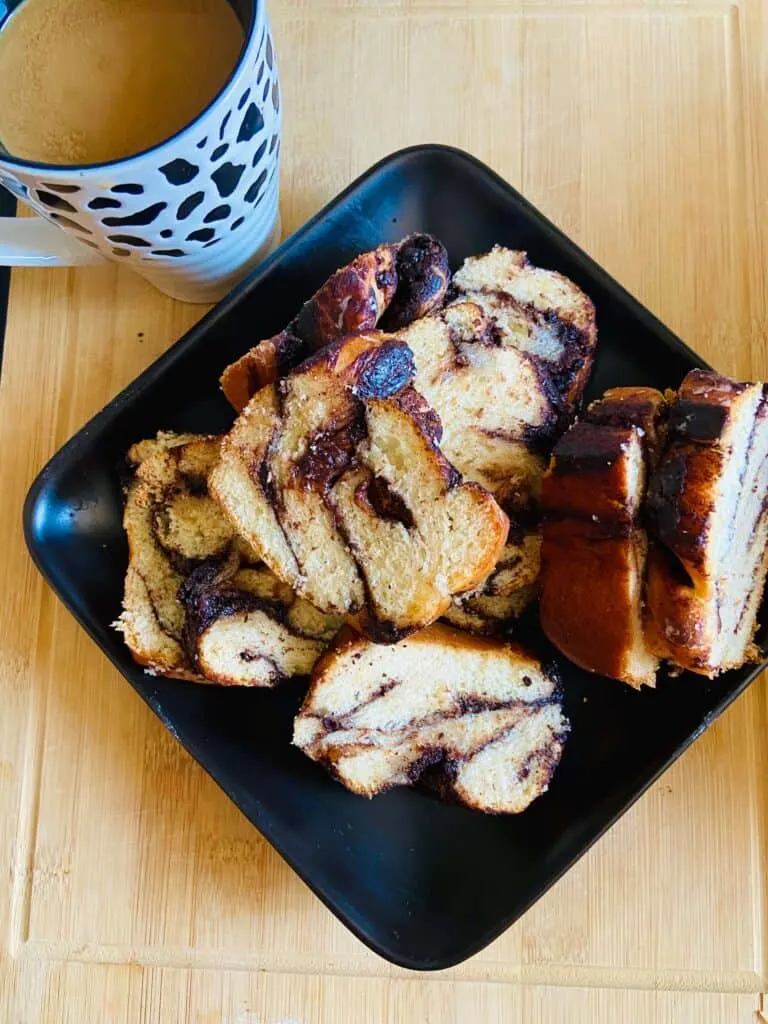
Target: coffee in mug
{"type": "Point", "coordinates": [92, 81]}
{"type": "Point", "coordinates": [141, 131]}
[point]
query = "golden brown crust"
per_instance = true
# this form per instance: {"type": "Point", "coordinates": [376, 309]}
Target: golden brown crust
{"type": "Point", "coordinates": [586, 478]}
{"type": "Point", "coordinates": [257, 368]}
{"type": "Point", "coordinates": [706, 505]}
{"type": "Point", "coordinates": [594, 547]}
{"type": "Point", "coordinates": [351, 300]}
{"type": "Point", "coordinates": [586, 606]}
{"type": "Point", "coordinates": [676, 618]}
{"type": "Point", "coordinates": [634, 407]}
{"type": "Point", "coordinates": [405, 280]}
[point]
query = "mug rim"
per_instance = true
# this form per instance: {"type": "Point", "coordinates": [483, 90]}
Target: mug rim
{"type": "Point", "coordinates": [126, 161]}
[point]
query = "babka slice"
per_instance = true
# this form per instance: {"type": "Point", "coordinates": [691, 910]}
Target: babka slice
{"type": "Point", "coordinates": [498, 408]}
{"type": "Point", "coordinates": [490, 614]}
{"type": "Point", "coordinates": [500, 416]}
{"type": "Point", "coordinates": [538, 311]}
{"type": "Point", "coordinates": [479, 719]}
{"type": "Point", "coordinates": [594, 545]}
{"type": "Point", "coordinates": [336, 477]}
{"type": "Point", "coordinates": [405, 280]}
{"type": "Point", "coordinates": [246, 628]}
{"type": "Point", "coordinates": [707, 504]}
{"type": "Point", "coordinates": [191, 610]}
{"type": "Point", "coordinates": [170, 522]}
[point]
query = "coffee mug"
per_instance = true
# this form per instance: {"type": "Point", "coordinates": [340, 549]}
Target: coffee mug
{"type": "Point", "coordinates": [192, 215]}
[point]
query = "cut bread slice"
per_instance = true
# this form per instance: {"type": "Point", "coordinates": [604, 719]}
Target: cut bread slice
{"type": "Point", "coordinates": [480, 719]}
{"type": "Point", "coordinates": [248, 629]}
{"type": "Point", "coordinates": [498, 409]}
{"type": "Point", "coordinates": [335, 476]}
{"type": "Point", "coordinates": [490, 614]}
{"type": "Point", "coordinates": [537, 311]}
{"type": "Point", "coordinates": [708, 505]}
{"type": "Point", "coordinates": [500, 416]}
{"type": "Point", "coordinates": [594, 546]}
{"type": "Point", "coordinates": [189, 610]}
{"type": "Point", "coordinates": [406, 280]}
{"type": "Point", "coordinates": [170, 522]}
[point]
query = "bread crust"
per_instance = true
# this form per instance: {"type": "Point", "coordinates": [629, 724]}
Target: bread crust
{"type": "Point", "coordinates": [695, 492]}
{"type": "Point", "coordinates": [594, 546]}
{"type": "Point", "coordinates": [682, 492]}
{"type": "Point", "coordinates": [403, 280]}
{"type": "Point", "coordinates": [586, 605]}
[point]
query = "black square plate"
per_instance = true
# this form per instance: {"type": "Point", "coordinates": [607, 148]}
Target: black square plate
{"type": "Point", "coordinates": [423, 884]}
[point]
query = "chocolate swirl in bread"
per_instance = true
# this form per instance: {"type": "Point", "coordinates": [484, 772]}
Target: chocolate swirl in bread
{"type": "Point", "coordinates": [501, 414]}
{"type": "Point", "coordinates": [708, 505]}
{"type": "Point", "coordinates": [196, 605]}
{"type": "Point", "coordinates": [310, 459]}
{"type": "Point", "coordinates": [537, 311]}
{"type": "Point", "coordinates": [246, 628]}
{"type": "Point", "coordinates": [481, 720]}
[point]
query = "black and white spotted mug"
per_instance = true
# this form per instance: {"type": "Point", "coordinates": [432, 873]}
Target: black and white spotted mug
{"type": "Point", "coordinates": [192, 215]}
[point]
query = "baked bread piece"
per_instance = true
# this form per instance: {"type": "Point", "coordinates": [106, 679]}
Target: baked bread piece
{"type": "Point", "coordinates": [500, 416]}
{"type": "Point", "coordinates": [423, 276]}
{"type": "Point", "coordinates": [335, 476]}
{"type": "Point", "coordinates": [707, 505]}
{"type": "Point", "coordinates": [537, 311]}
{"type": "Point", "coordinates": [169, 521]}
{"type": "Point", "coordinates": [186, 591]}
{"type": "Point", "coordinates": [480, 719]}
{"type": "Point", "coordinates": [404, 280]}
{"type": "Point", "coordinates": [594, 546]}
{"type": "Point", "coordinates": [491, 614]}
{"type": "Point", "coordinates": [498, 408]}
{"type": "Point", "coordinates": [246, 628]}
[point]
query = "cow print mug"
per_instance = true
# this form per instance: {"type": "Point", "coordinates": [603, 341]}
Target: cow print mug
{"type": "Point", "coordinates": [192, 214]}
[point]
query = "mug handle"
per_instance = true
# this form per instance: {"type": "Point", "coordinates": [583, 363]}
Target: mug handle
{"type": "Point", "coordinates": [33, 242]}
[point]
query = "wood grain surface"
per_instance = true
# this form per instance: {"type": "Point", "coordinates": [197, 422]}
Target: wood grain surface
{"type": "Point", "coordinates": [136, 891]}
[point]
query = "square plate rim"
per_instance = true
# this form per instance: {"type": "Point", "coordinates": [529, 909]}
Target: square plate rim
{"type": "Point", "coordinates": [69, 451]}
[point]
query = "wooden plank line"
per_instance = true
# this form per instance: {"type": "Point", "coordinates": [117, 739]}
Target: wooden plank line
{"type": "Point", "coordinates": [699, 9]}
{"type": "Point", "coordinates": [559, 975]}
{"type": "Point", "coordinates": [29, 812]}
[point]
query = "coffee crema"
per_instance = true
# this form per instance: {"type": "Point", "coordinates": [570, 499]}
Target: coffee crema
{"type": "Point", "coordinates": [93, 81]}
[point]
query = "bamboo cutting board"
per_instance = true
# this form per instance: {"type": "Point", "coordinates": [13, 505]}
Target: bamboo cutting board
{"type": "Point", "coordinates": [136, 891]}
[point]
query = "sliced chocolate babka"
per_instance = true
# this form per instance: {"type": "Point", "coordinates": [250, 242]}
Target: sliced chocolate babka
{"type": "Point", "coordinates": [336, 477]}
{"type": "Point", "coordinates": [595, 547]}
{"type": "Point", "coordinates": [479, 719]}
{"type": "Point", "coordinates": [499, 415]}
{"type": "Point", "coordinates": [246, 628]}
{"type": "Point", "coordinates": [708, 505]}
{"type": "Point", "coordinates": [504, 366]}
{"type": "Point", "coordinates": [537, 311]}
{"type": "Point", "coordinates": [196, 604]}
{"type": "Point", "coordinates": [400, 281]}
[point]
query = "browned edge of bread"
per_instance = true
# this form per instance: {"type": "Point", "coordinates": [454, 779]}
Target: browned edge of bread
{"type": "Point", "coordinates": [594, 545]}
{"type": "Point", "coordinates": [401, 281]}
